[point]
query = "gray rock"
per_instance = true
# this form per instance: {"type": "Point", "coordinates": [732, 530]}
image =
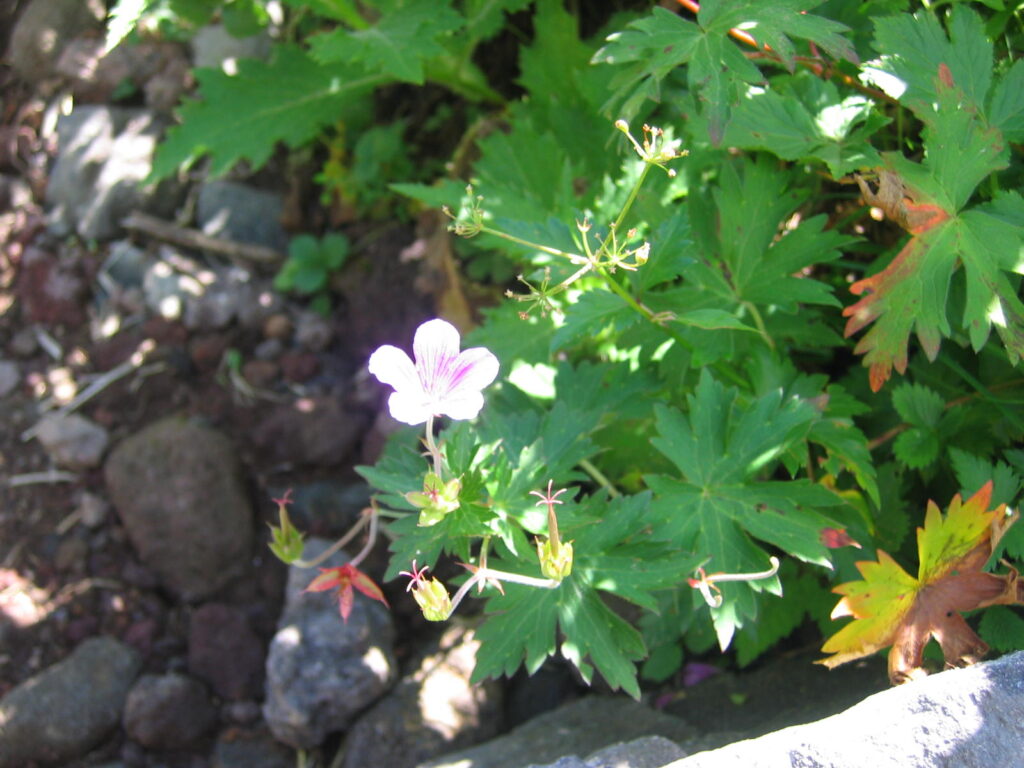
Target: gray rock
{"type": "Point", "coordinates": [72, 441]}
{"type": "Point", "coordinates": [238, 212]}
{"type": "Point", "coordinates": [321, 671]}
{"type": "Point", "coordinates": [177, 487]}
{"type": "Point", "coordinates": [67, 709]}
{"type": "Point", "coordinates": [212, 45]}
{"type": "Point", "coordinates": [787, 692]}
{"type": "Point", "coordinates": [92, 510]}
{"type": "Point", "coordinates": [240, 749]}
{"type": "Point", "coordinates": [645, 752]}
{"type": "Point", "coordinates": [313, 331]}
{"type": "Point", "coordinates": [435, 709]}
{"type": "Point", "coordinates": [10, 377]}
{"type": "Point", "coordinates": [103, 155]}
{"type": "Point", "coordinates": [224, 651]}
{"type": "Point", "coordinates": [168, 711]}
{"type": "Point", "coordinates": [580, 728]}
{"type": "Point", "coordinates": [44, 29]}
{"type": "Point", "coordinates": [961, 718]}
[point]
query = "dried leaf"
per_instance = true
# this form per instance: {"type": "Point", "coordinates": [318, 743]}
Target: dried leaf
{"type": "Point", "coordinates": [890, 607]}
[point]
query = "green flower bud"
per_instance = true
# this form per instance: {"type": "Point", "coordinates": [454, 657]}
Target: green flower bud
{"type": "Point", "coordinates": [555, 558]}
{"type": "Point", "coordinates": [287, 541]}
{"type": "Point", "coordinates": [433, 599]}
{"type": "Point", "coordinates": [436, 500]}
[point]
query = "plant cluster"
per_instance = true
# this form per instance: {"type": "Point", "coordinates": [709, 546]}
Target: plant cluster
{"type": "Point", "coordinates": [672, 375]}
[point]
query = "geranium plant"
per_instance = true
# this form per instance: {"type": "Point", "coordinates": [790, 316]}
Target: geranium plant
{"type": "Point", "coordinates": [718, 214]}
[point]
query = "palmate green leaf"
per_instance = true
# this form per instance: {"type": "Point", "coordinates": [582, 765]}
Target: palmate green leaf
{"type": "Point", "coordinates": [652, 47]}
{"type": "Point", "coordinates": [972, 472]}
{"type": "Point", "coordinates": [612, 555]}
{"type": "Point", "coordinates": [744, 259]}
{"type": "Point", "coordinates": [398, 44]}
{"type": "Point", "coordinates": [914, 47]}
{"type": "Point", "coordinates": [717, 506]}
{"type": "Point", "coordinates": [910, 294]}
{"type": "Point", "coordinates": [1002, 627]}
{"type": "Point", "coordinates": [590, 314]}
{"type": "Point", "coordinates": [830, 129]}
{"type": "Point", "coordinates": [241, 117]}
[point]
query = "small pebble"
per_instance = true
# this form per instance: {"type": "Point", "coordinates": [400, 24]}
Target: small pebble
{"type": "Point", "coordinates": [277, 327]}
{"type": "Point", "coordinates": [92, 510]}
{"type": "Point", "coordinates": [10, 377]}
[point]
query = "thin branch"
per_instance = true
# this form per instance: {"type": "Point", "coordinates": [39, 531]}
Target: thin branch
{"type": "Point", "coordinates": [818, 66]}
{"type": "Point", "coordinates": [200, 241]}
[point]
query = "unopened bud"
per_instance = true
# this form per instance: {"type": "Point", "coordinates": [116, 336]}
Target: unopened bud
{"type": "Point", "coordinates": [433, 599]}
{"type": "Point", "coordinates": [555, 558]}
{"type": "Point", "coordinates": [436, 500]}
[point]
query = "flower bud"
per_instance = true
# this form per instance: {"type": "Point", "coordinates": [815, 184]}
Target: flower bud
{"type": "Point", "coordinates": [287, 541]}
{"type": "Point", "coordinates": [433, 599]}
{"type": "Point", "coordinates": [555, 558]}
{"type": "Point", "coordinates": [436, 500]}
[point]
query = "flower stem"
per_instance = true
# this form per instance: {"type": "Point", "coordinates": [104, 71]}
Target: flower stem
{"type": "Point", "coordinates": [355, 529]}
{"type": "Point", "coordinates": [435, 453]}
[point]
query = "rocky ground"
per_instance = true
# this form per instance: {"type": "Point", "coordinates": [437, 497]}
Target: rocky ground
{"type": "Point", "coordinates": [156, 394]}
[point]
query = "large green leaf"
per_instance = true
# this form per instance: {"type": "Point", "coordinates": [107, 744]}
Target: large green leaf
{"type": "Point", "coordinates": [241, 117]}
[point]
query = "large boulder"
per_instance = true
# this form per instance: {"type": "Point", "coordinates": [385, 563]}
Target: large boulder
{"type": "Point", "coordinates": [962, 718]}
{"type": "Point", "coordinates": [177, 486]}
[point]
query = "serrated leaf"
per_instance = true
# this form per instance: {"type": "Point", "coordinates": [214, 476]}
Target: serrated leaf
{"type": "Point", "coordinates": [1006, 110]}
{"type": "Point", "coordinates": [717, 504]}
{"type": "Point", "coordinates": [890, 607]}
{"type": "Point", "coordinates": [289, 98]}
{"type": "Point", "coordinates": [1002, 628]}
{"type": "Point", "coordinates": [972, 472]}
{"type": "Point", "coordinates": [918, 405]}
{"type": "Point", "coordinates": [593, 312]}
{"type": "Point", "coordinates": [914, 47]}
{"type": "Point", "coordinates": [910, 294]}
{"type": "Point", "coordinates": [398, 44]}
{"type": "Point", "coordinates": [917, 448]}
{"type": "Point", "coordinates": [713, 320]}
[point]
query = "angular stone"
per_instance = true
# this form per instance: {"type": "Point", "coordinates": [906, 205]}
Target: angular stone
{"type": "Point", "coordinates": [65, 710]}
{"type": "Point", "coordinates": [322, 671]}
{"type": "Point", "coordinates": [72, 441]}
{"type": "Point", "coordinates": [178, 489]}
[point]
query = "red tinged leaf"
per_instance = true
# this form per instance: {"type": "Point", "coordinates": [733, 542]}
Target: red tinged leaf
{"type": "Point", "coordinates": [346, 578]}
{"type": "Point", "coordinates": [890, 607]}
{"type": "Point", "coordinates": [834, 538]}
{"type": "Point", "coordinates": [895, 294]}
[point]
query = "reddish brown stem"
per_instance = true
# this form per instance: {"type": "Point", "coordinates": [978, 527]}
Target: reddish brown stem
{"type": "Point", "coordinates": [816, 65]}
{"type": "Point", "coordinates": [889, 434]}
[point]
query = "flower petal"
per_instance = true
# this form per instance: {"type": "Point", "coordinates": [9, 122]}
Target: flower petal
{"type": "Point", "coordinates": [435, 346]}
{"type": "Point", "coordinates": [474, 368]}
{"type": "Point", "coordinates": [463, 405]}
{"type": "Point", "coordinates": [410, 407]}
{"type": "Point", "coordinates": [393, 367]}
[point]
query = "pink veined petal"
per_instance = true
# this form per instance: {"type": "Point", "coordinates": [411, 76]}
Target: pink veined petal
{"type": "Point", "coordinates": [473, 369]}
{"type": "Point", "coordinates": [435, 346]}
{"type": "Point", "coordinates": [464, 405]}
{"type": "Point", "coordinates": [393, 367]}
{"type": "Point", "coordinates": [410, 406]}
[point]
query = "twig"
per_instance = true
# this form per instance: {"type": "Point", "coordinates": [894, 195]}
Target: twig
{"type": "Point", "coordinates": [193, 238]}
{"type": "Point", "coordinates": [99, 384]}
{"type": "Point", "coordinates": [40, 478]}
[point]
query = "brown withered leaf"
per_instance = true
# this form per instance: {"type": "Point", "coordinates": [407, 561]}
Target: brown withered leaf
{"type": "Point", "coordinates": [890, 607]}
